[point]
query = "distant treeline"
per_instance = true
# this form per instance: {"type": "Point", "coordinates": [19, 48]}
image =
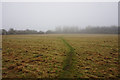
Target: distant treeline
{"type": "Point", "coordinates": [87, 30]}
{"type": "Point", "coordinates": [67, 30]}
{"type": "Point", "coordinates": [27, 31]}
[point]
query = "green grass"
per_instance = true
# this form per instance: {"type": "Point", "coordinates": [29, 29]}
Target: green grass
{"type": "Point", "coordinates": [68, 66]}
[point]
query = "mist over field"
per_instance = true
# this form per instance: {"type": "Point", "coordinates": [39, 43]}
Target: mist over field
{"type": "Point", "coordinates": [48, 16]}
{"type": "Point", "coordinates": [60, 40]}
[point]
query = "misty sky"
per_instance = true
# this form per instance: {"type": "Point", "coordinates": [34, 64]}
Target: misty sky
{"type": "Point", "coordinates": [0, 15]}
{"type": "Point", "coordinates": [44, 16]}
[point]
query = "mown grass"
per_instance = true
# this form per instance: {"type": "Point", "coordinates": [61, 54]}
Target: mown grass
{"type": "Point", "coordinates": [47, 56]}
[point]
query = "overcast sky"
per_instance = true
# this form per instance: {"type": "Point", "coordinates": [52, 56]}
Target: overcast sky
{"type": "Point", "coordinates": [44, 16]}
{"type": "Point", "coordinates": [0, 15]}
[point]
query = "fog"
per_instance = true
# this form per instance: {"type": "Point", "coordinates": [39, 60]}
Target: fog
{"type": "Point", "coordinates": [0, 15]}
{"type": "Point", "coordinates": [48, 16]}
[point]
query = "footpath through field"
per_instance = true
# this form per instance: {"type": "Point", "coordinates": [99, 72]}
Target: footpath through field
{"type": "Point", "coordinates": [68, 66]}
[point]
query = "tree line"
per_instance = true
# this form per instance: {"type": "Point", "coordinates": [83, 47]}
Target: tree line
{"type": "Point", "coordinates": [27, 31]}
{"type": "Point", "coordinates": [67, 30]}
{"type": "Point", "coordinates": [87, 30]}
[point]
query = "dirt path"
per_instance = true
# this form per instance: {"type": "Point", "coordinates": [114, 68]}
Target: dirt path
{"type": "Point", "coordinates": [68, 66]}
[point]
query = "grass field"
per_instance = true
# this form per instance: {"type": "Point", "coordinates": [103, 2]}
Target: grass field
{"type": "Point", "coordinates": [60, 56]}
